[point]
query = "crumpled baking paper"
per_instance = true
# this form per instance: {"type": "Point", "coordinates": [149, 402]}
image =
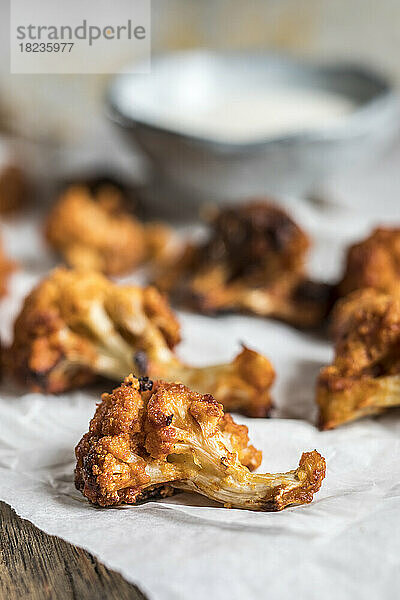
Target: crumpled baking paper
{"type": "Point", "coordinates": [346, 544]}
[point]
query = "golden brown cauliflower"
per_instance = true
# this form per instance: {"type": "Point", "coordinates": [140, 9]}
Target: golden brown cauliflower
{"type": "Point", "coordinates": [78, 324]}
{"type": "Point", "coordinates": [7, 266]}
{"type": "Point", "coordinates": [364, 378]}
{"type": "Point", "coordinates": [148, 440]}
{"type": "Point", "coordinates": [253, 261]}
{"type": "Point", "coordinates": [14, 187]}
{"type": "Point", "coordinates": [91, 229]}
{"type": "Point", "coordinates": [373, 262]}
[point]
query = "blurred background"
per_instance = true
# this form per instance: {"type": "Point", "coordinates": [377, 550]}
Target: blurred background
{"type": "Point", "coordinates": [62, 118]}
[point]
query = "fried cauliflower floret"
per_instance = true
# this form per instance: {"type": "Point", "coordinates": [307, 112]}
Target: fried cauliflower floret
{"type": "Point", "coordinates": [373, 262]}
{"type": "Point", "coordinates": [78, 324]}
{"type": "Point", "coordinates": [343, 311]}
{"type": "Point", "coordinates": [148, 440]}
{"type": "Point", "coordinates": [14, 187]}
{"type": "Point", "coordinates": [253, 261]}
{"type": "Point", "coordinates": [7, 266]}
{"type": "Point", "coordinates": [364, 378]}
{"type": "Point", "coordinates": [91, 229]}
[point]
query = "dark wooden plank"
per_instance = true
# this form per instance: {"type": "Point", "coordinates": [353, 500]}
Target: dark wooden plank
{"type": "Point", "coordinates": [36, 566]}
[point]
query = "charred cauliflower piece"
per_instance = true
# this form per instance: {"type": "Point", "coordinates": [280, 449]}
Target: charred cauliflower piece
{"type": "Point", "coordinates": [148, 440]}
{"type": "Point", "coordinates": [91, 230]}
{"type": "Point", "coordinates": [364, 378]}
{"type": "Point", "coordinates": [253, 261]}
{"type": "Point", "coordinates": [78, 324]}
{"type": "Point", "coordinates": [373, 262]}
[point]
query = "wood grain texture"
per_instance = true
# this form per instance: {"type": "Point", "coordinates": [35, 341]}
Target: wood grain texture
{"type": "Point", "coordinates": [37, 566]}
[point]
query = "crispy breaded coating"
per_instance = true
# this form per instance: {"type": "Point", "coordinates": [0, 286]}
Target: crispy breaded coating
{"type": "Point", "coordinates": [364, 378]}
{"type": "Point", "coordinates": [148, 440]}
{"type": "Point", "coordinates": [344, 309]}
{"type": "Point", "coordinates": [253, 261]}
{"type": "Point", "coordinates": [373, 262]}
{"type": "Point", "coordinates": [78, 324]}
{"type": "Point", "coordinates": [92, 230]}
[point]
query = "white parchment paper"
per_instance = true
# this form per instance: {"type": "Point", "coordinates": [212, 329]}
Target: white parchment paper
{"type": "Point", "coordinates": [346, 544]}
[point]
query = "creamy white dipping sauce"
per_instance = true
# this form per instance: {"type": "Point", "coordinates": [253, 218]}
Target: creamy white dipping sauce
{"type": "Point", "coordinates": [258, 115]}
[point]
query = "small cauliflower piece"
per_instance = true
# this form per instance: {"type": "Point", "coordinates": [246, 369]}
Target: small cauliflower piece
{"type": "Point", "coordinates": [147, 441]}
{"type": "Point", "coordinates": [7, 266]}
{"type": "Point", "coordinates": [374, 262]}
{"type": "Point", "coordinates": [78, 324]}
{"type": "Point", "coordinates": [92, 230]}
{"type": "Point", "coordinates": [253, 261]}
{"type": "Point", "coordinates": [14, 187]}
{"type": "Point", "coordinates": [364, 378]}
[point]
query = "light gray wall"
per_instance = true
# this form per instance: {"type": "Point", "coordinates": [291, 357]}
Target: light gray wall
{"type": "Point", "coordinates": [366, 30]}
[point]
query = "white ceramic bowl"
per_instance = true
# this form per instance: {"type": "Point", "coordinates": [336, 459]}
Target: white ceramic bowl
{"type": "Point", "coordinates": [202, 168]}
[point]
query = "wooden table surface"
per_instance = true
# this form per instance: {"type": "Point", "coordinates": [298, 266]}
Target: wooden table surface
{"type": "Point", "coordinates": [37, 566]}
